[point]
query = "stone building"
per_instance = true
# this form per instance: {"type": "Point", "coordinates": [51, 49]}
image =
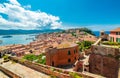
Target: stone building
{"type": "Point", "coordinates": [62, 55]}
{"type": "Point", "coordinates": [105, 61]}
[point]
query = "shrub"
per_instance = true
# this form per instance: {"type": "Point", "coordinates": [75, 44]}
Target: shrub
{"type": "Point", "coordinates": [87, 30]}
{"type": "Point", "coordinates": [84, 45]}
{"type": "Point", "coordinates": [53, 76]}
{"type": "Point", "coordinates": [5, 57]}
{"type": "Point", "coordinates": [75, 75]}
{"type": "Point", "coordinates": [52, 69]}
{"type": "Point", "coordinates": [110, 43]}
{"type": "Point", "coordinates": [22, 60]}
{"type": "Point", "coordinates": [30, 57]}
{"type": "Point", "coordinates": [73, 34]}
{"type": "Point", "coordinates": [39, 59]}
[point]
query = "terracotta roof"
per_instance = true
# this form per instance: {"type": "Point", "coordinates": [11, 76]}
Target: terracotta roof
{"type": "Point", "coordinates": [3, 48]}
{"type": "Point", "coordinates": [66, 45]}
{"type": "Point", "coordinates": [116, 30]}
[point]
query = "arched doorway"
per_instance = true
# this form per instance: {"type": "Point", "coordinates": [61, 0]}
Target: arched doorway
{"type": "Point", "coordinates": [52, 63]}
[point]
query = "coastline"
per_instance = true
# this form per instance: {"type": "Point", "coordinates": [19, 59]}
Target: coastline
{"type": "Point", "coordinates": [31, 35]}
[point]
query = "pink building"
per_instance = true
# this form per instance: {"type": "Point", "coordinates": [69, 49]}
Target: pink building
{"type": "Point", "coordinates": [114, 35]}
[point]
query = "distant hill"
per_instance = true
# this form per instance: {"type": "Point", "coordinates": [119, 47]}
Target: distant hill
{"type": "Point", "coordinates": [80, 29]}
{"type": "Point", "coordinates": [12, 32]}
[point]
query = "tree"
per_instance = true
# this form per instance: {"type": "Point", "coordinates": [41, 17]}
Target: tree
{"type": "Point", "coordinates": [84, 45]}
{"type": "Point", "coordinates": [87, 30]}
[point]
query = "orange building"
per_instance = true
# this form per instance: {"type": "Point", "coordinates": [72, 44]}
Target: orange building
{"type": "Point", "coordinates": [63, 54]}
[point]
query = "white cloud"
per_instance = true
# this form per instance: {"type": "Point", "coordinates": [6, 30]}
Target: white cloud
{"type": "Point", "coordinates": [19, 17]}
{"type": "Point", "coordinates": [14, 2]}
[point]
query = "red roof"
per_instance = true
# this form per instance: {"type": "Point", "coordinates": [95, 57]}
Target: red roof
{"type": "Point", "coordinates": [116, 30]}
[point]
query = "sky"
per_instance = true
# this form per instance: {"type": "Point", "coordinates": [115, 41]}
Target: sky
{"type": "Point", "coordinates": [64, 14]}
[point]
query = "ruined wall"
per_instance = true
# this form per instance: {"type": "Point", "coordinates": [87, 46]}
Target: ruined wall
{"type": "Point", "coordinates": [102, 50]}
{"type": "Point", "coordinates": [59, 73]}
{"type": "Point", "coordinates": [103, 61]}
{"type": "Point", "coordinates": [78, 66]}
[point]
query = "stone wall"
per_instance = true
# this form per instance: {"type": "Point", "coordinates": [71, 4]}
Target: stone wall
{"type": "Point", "coordinates": [78, 66]}
{"type": "Point", "coordinates": [60, 73]}
{"type": "Point", "coordinates": [103, 61]}
{"type": "Point", "coordinates": [9, 73]}
{"type": "Point", "coordinates": [102, 50]}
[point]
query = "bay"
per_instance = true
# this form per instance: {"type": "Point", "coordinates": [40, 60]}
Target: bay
{"type": "Point", "coordinates": [26, 38]}
{"type": "Point", "coordinates": [17, 39]}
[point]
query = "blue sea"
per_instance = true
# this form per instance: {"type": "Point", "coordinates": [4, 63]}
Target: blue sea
{"type": "Point", "coordinates": [97, 33]}
{"type": "Point", "coordinates": [26, 38]}
{"type": "Point", "coordinates": [17, 39]}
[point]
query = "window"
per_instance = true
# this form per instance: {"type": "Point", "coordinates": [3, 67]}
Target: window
{"type": "Point", "coordinates": [52, 63]}
{"type": "Point", "coordinates": [69, 52]}
{"type": "Point", "coordinates": [117, 33]}
{"type": "Point", "coordinates": [111, 39]}
{"type": "Point", "coordinates": [69, 60]}
{"type": "Point", "coordinates": [75, 58]}
{"type": "Point", "coordinates": [74, 51]}
{"type": "Point", "coordinates": [118, 40]}
{"type": "Point", "coordinates": [85, 69]}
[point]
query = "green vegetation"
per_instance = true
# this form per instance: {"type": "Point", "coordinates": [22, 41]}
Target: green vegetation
{"type": "Point", "coordinates": [53, 76]}
{"type": "Point", "coordinates": [6, 58]}
{"type": "Point", "coordinates": [36, 58]}
{"type": "Point", "coordinates": [13, 62]}
{"type": "Point", "coordinates": [52, 69]}
{"type": "Point", "coordinates": [75, 75]}
{"type": "Point", "coordinates": [111, 43]}
{"type": "Point", "coordinates": [60, 71]}
{"type": "Point", "coordinates": [84, 45]}
{"type": "Point", "coordinates": [80, 29]}
{"type": "Point", "coordinates": [73, 34]}
{"type": "Point", "coordinates": [87, 30]}
{"type": "Point", "coordinates": [22, 60]}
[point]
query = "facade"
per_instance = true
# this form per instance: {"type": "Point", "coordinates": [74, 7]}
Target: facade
{"type": "Point", "coordinates": [114, 35]}
{"type": "Point", "coordinates": [62, 56]}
